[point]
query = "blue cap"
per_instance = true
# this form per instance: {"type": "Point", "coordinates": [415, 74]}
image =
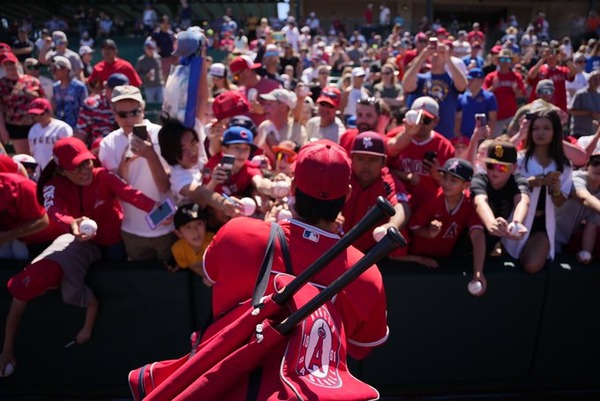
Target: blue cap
{"type": "Point", "coordinates": [117, 79]}
{"type": "Point", "coordinates": [237, 134]}
{"type": "Point", "coordinates": [475, 73]}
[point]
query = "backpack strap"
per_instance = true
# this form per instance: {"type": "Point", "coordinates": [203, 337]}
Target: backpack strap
{"type": "Point", "coordinates": [285, 251]}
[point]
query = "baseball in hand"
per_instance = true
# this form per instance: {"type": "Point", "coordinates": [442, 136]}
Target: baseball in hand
{"type": "Point", "coordinates": [284, 214]}
{"type": "Point", "coordinates": [584, 256]}
{"type": "Point", "coordinates": [514, 228]}
{"type": "Point", "coordinates": [411, 117]}
{"type": "Point", "coordinates": [8, 370]}
{"type": "Point", "coordinates": [88, 227]}
{"type": "Point", "coordinates": [379, 233]}
{"type": "Point", "coordinates": [475, 287]}
{"type": "Point", "coordinates": [281, 189]}
{"type": "Point", "coordinates": [249, 206]}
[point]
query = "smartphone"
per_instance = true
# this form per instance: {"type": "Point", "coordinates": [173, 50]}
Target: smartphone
{"type": "Point", "coordinates": [430, 155]}
{"type": "Point", "coordinates": [419, 117]}
{"type": "Point", "coordinates": [433, 43]}
{"type": "Point", "coordinates": [140, 131]}
{"type": "Point", "coordinates": [227, 163]}
{"type": "Point", "coordinates": [157, 216]}
{"type": "Point", "coordinates": [480, 120]}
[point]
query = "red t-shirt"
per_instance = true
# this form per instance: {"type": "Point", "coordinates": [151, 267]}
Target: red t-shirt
{"type": "Point", "coordinates": [559, 75]}
{"type": "Point", "coordinates": [453, 223]}
{"type": "Point", "coordinates": [233, 259]}
{"type": "Point", "coordinates": [103, 70]}
{"type": "Point", "coordinates": [362, 199]}
{"type": "Point", "coordinates": [410, 160]}
{"type": "Point", "coordinates": [504, 91]}
{"type": "Point", "coordinates": [239, 184]}
{"type": "Point", "coordinates": [18, 200]}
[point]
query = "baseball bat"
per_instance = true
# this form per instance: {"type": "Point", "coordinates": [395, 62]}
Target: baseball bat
{"type": "Point", "coordinates": [391, 241]}
{"type": "Point", "coordinates": [381, 208]}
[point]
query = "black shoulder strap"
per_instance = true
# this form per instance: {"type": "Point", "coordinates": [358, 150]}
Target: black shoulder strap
{"type": "Point", "coordinates": [262, 280]}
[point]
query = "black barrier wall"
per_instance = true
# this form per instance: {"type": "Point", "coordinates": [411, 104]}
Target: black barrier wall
{"type": "Point", "coordinates": [527, 332]}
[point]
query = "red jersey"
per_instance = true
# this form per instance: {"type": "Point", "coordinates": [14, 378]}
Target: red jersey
{"type": "Point", "coordinates": [410, 160]}
{"type": "Point", "coordinates": [559, 75]}
{"type": "Point", "coordinates": [233, 259]}
{"type": "Point", "coordinates": [102, 70]}
{"type": "Point", "coordinates": [453, 224]}
{"type": "Point", "coordinates": [15, 97]}
{"type": "Point", "coordinates": [18, 200]}
{"type": "Point", "coordinates": [363, 199]}
{"type": "Point", "coordinates": [238, 184]}
{"type": "Point", "coordinates": [409, 56]}
{"type": "Point", "coordinates": [99, 201]}
{"type": "Point", "coordinates": [504, 91]}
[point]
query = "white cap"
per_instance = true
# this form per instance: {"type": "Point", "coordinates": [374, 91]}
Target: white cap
{"type": "Point", "coordinates": [358, 72]}
{"type": "Point", "coordinates": [427, 104]}
{"type": "Point", "coordinates": [282, 95]}
{"type": "Point", "coordinates": [217, 70]}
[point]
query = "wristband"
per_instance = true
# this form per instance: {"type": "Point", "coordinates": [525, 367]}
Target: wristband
{"type": "Point", "coordinates": [556, 194]}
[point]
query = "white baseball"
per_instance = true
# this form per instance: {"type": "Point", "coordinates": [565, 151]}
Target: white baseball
{"type": "Point", "coordinates": [475, 287]}
{"type": "Point", "coordinates": [8, 370]}
{"type": "Point", "coordinates": [584, 256]}
{"type": "Point", "coordinates": [281, 189]}
{"type": "Point", "coordinates": [249, 206]}
{"type": "Point", "coordinates": [284, 214]}
{"type": "Point", "coordinates": [411, 117]}
{"type": "Point", "coordinates": [379, 233]}
{"type": "Point", "coordinates": [88, 227]}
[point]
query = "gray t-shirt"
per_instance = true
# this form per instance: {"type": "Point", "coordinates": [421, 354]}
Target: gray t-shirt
{"type": "Point", "coordinates": [584, 100]}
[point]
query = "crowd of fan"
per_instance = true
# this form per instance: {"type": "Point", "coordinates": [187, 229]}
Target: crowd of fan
{"type": "Point", "coordinates": [480, 152]}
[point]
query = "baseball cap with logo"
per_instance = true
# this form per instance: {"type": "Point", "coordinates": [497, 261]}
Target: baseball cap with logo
{"type": "Point", "coordinates": [187, 213]}
{"type": "Point", "coordinates": [281, 95]}
{"type": "Point", "coordinates": [242, 63]}
{"type": "Point", "coordinates": [459, 168]}
{"type": "Point", "coordinates": [501, 152]}
{"type": "Point", "coordinates": [243, 121]}
{"type": "Point", "coordinates": [237, 134]}
{"type": "Point", "coordinates": [39, 106]}
{"type": "Point", "coordinates": [330, 95]}
{"type": "Point", "coordinates": [124, 92]}
{"type": "Point", "coordinates": [545, 86]}
{"type": "Point", "coordinates": [429, 106]}
{"type": "Point", "coordinates": [370, 143]}
{"type": "Point", "coordinates": [230, 103]}
{"type": "Point", "coordinates": [70, 152]}
{"type": "Point", "coordinates": [322, 170]}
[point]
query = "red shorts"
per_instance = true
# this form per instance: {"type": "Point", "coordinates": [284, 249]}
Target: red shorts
{"type": "Point", "coordinates": [35, 280]}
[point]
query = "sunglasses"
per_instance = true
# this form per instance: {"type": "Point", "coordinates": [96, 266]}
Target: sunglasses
{"type": "Point", "coordinates": [130, 113]}
{"type": "Point", "coordinates": [286, 157]}
{"type": "Point", "coordinates": [502, 168]}
{"type": "Point", "coordinates": [505, 60]}
{"type": "Point", "coordinates": [32, 67]}
{"type": "Point", "coordinates": [426, 120]}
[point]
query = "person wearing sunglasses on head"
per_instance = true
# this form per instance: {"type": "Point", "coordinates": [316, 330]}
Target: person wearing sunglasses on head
{"type": "Point", "coordinates": [501, 196]}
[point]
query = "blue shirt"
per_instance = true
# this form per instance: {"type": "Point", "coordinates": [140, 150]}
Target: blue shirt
{"type": "Point", "coordinates": [441, 88]}
{"type": "Point", "coordinates": [68, 101]}
{"type": "Point", "coordinates": [478, 61]}
{"type": "Point", "coordinates": [482, 103]}
{"type": "Point", "coordinates": [592, 64]}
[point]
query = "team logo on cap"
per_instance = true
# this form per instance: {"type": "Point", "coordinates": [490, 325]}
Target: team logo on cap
{"type": "Point", "coordinates": [498, 151]}
{"type": "Point", "coordinates": [367, 143]}
{"type": "Point", "coordinates": [453, 166]}
{"type": "Point", "coordinates": [319, 355]}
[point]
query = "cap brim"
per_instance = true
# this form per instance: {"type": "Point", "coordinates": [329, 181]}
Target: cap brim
{"type": "Point", "coordinates": [441, 170]}
{"type": "Point", "coordinates": [365, 152]}
{"type": "Point", "coordinates": [429, 114]}
{"type": "Point", "coordinates": [77, 160]}
{"type": "Point", "coordinates": [490, 160]}
{"type": "Point", "coordinates": [268, 97]}
{"type": "Point", "coordinates": [36, 111]}
{"type": "Point", "coordinates": [327, 100]}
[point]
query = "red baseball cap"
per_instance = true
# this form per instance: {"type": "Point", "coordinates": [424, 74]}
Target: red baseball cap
{"type": "Point", "coordinates": [39, 106]}
{"type": "Point", "coordinates": [71, 152]}
{"type": "Point", "coordinates": [4, 47]}
{"type": "Point", "coordinates": [242, 63]}
{"type": "Point", "coordinates": [229, 104]}
{"type": "Point", "coordinates": [9, 57]}
{"type": "Point", "coordinates": [331, 95]}
{"type": "Point", "coordinates": [322, 170]}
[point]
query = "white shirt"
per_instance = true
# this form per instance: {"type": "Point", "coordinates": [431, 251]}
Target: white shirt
{"type": "Point", "coordinates": [42, 140]}
{"type": "Point", "coordinates": [181, 177]}
{"type": "Point", "coordinates": [333, 131]}
{"type": "Point", "coordinates": [139, 176]}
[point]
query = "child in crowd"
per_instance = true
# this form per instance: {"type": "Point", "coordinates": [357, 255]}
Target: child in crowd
{"type": "Point", "coordinates": [549, 174]}
{"type": "Point", "coordinates": [439, 222]}
{"type": "Point", "coordinates": [46, 131]}
{"type": "Point", "coordinates": [581, 213]}
{"type": "Point", "coordinates": [190, 226]}
{"type": "Point", "coordinates": [501, 197]}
